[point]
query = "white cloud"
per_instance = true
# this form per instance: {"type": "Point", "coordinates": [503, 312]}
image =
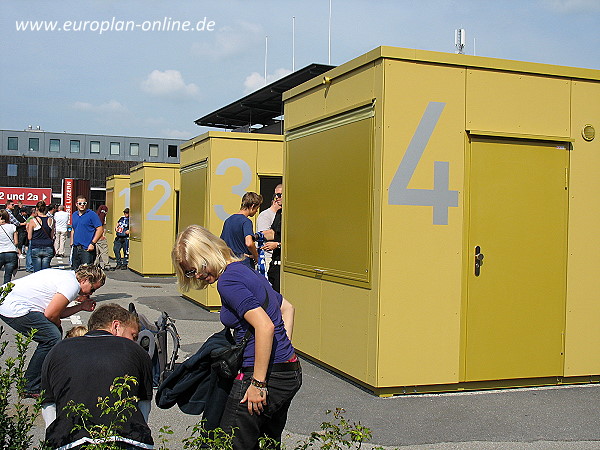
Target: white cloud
{"type": "Point", "coordinates": [230, 40]}
{"type": "Point", "coordinates": [169, 83]}
{"type": "Point", "coordinates": [178, 134]}
{"type": "Point", "coordinates": [255, 80]}
{"type": "Point", "coordinates": [573, 5]}
{"type": "Point", "coordinates": [111, 106]}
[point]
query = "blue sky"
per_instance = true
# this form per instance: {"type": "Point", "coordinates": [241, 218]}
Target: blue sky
{"type": "Point", "coordinates": [156, 83]}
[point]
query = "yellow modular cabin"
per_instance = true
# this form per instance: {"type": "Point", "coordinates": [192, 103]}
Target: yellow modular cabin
{"type": "Point", "coordinates": [117, 199]}
{"type": "Point", "coordinates": [457, 246]}
{"type": "Point", "coordinates": [217, 168]}
{"type": "Point", "coordinates": [154, 189]}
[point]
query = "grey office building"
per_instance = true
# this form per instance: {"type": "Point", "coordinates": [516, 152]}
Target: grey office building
{"type": "Point", "coordinates": [41, 159]}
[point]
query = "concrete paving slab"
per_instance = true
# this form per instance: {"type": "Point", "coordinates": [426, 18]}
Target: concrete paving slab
{"type": "Point", "coordinates": [565, 417]}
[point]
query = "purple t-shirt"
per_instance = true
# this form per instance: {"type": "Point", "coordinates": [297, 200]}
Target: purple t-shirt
{"type": "Point", "coordinates": [241, 290]}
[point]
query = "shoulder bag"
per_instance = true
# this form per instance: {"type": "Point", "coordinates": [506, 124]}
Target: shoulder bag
{"type": "Point", "coordinates": [227, 361]}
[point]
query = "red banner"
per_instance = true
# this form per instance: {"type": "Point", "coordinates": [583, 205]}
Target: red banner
{"type": "Point", "coordinates": [29, 196]}
{"type": "Point", "coordinates": [68, 193]}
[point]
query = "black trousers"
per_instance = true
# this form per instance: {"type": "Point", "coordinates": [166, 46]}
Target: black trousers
{"type": "Point", "coordinates": [22, 237]}
{"type": "Point", "coordinates": [282, 386]}
{"type": "Point", "coordinates": [82, 256]}
{"type": "Point", "coordinates": [274, 276]}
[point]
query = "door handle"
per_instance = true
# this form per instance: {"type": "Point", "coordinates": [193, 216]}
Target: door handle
{"type": "Point", "coordinates": [478, 260]}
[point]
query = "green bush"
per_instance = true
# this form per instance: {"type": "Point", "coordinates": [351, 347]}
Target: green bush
{"type": "Point", "coordinates": [16, 418]}
{"type": "Point", "coordinates": [335, 435]}
{"type": "Point", "coordinates": [119, 406]}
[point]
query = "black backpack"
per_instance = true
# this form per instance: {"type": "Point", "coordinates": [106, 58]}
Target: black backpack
{"type": "Point", "coordinates": [161, 340]}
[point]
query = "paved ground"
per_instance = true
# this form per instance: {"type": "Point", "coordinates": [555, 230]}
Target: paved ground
{"type": "Point", "coordinates": [546, 418]}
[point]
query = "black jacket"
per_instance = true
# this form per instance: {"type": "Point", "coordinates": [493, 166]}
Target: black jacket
{"type": "Point", "coordinates": [195, 387]}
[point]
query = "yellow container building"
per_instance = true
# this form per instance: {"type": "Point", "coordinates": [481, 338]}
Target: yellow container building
{"type": "Point", "coordinates": [154, 189]}
{"type": "Point", "coordinates": [217, 168]}
{"type": "Point", "coordinates": [440, 222]}
{"type": "Point", "coordinates": [117, 199]}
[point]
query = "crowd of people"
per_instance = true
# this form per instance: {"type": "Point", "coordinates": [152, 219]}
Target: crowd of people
{"type": "Point", "coordinates": [40, 233]}
{"type": "Point", "coordinates": [60, 369]}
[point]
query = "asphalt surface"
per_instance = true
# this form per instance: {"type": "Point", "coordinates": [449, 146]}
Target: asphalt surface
{"type": "Point", "coordinates": [566, 417]}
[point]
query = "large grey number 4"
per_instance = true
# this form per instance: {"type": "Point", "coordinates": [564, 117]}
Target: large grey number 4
{"type": "Point", "coordinates": [440, 197]}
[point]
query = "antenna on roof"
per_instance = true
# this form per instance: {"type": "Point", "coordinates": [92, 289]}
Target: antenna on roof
{"type": "Point", "coordinates": [329, 33]}
{"type": "Point", "coordinates": [293, 43]}
{"type": "Point", "coordinates": [459, 40]}
{"type": "Point", "coordinates": [266, 55]}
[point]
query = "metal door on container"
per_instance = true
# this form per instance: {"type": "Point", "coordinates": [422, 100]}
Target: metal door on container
{"type": "Point", "coordinates": [517, 243]}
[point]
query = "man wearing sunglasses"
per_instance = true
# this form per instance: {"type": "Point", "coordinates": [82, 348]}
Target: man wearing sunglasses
{"type": "Point", "coordinates": [265, 220]}
{"type": "Point", "coordinates": [86, 230]}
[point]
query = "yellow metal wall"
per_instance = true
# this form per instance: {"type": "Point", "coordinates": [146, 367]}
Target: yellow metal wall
{"type": "Point", "coordinates": [345, 91]}
{"type": "Point", "coordinates": [153, 217]}
{"type": "Point", "coordinates": [230, 165]}
{"type": "Point", "coordinates": [582, 345]}
{"type": "Point", "coordinates": [117, 199]}
{"type": "Point", "coordinates": [193, 205]}
{"type": "Point", "coordinates": [518, 103]}
{"type": "Point", "coordinates": [336, 323]}
{"type": "Point", "coordinates": [136, 222]}
{"type": "Point", "coordinates": [421, 262]}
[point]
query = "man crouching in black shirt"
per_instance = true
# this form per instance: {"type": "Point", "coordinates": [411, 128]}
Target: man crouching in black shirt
{"type": "Point", "coordinates": [83, 368]}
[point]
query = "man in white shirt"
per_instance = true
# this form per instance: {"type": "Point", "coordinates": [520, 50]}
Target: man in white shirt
{"type": "Point", "coordinates": [61, 219]}
{"type": "Point", "coordinates": [38, 301]}
{"type": "Point", "coordinates": [265, 219]}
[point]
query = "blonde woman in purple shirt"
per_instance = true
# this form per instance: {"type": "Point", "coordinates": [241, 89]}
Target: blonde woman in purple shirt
{"type": "Point", "coordinates": [271, 375]}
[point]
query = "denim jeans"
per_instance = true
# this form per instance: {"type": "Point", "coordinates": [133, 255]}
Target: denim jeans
{"type": "Point", "coordinates": [28, 260]}
{"type": "Point", "coordinates": [41, 257]}
{"type": "Point", "coordinates": [47, 336]}
{"type": "Point", "coordinates": [82, 256]}
{"type": "Point", "coordinates": [282, 386]}
{"type": "Point", "coordinates": [121, 244]}
{"type": "Point", "coordinates": [9, 261]}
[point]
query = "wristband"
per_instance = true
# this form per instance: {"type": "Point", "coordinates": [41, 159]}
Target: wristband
{"type": "Point", "coordinates": [262, 385]}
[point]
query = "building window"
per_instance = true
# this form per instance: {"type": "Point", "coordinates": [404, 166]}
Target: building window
{"type": "Point", "coordinates": [134, 149]}
{"type": "Point", "coordinates": [75, 146]}
{"type": "Point", "coordinates": [53, 171]}
{"type": "Point", "coordinates": [11, 170]}
{"type": "Point", "coordinates": [54, 145]}
{"type": "Point", "coordinates": [172, 151]}
{"type": "Point", "coordinates": [34, 144]}
{"type": "Point", "coordinates": [115, 148]}
{"type": "Point", "coordinates": [94, 146]}
{"type": "Point", "coordinates": [153, 149]}
{"type": "Point", "coordinates": [13, 143]}
{"type": "Point", "coordinates": [32, 170]}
